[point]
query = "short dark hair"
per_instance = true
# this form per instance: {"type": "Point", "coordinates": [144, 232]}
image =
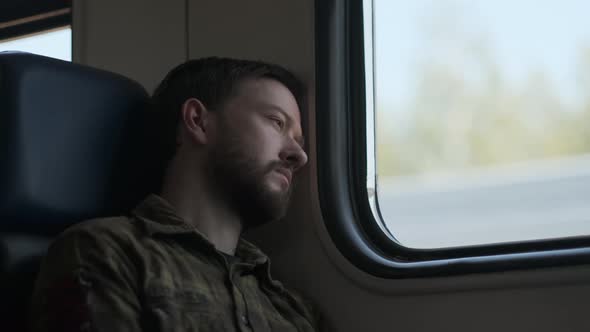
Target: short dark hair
{"type": "Point", "coordinates": [213, 81]}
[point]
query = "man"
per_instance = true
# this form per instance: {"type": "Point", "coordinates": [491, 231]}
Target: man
{"type": "Point", "coordinates": [229, 138]}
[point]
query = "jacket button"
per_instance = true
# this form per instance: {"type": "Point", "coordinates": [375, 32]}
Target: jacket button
{"type": "Point", "coordinates": [244, 319]}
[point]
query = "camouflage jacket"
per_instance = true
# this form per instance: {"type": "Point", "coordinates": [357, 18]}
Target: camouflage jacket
{"type": "Point", "coordinates": [154, 272]}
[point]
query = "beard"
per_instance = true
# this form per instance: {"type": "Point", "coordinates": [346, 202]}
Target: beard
{"type": "Point", "coordinates": [239, 179]}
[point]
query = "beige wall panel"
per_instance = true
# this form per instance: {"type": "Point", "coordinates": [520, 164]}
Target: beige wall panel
{"type": "Point", "coordinates": [279, 31]}
{"type": "Point", "coordinates": [141, 39]}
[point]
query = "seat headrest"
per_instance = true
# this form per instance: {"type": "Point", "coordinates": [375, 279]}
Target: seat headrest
{"type": "Point", "coordinates": [71, 142]}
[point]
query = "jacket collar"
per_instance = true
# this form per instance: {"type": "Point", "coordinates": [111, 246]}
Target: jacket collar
{"type": "Point", "coordinates": [160, 218]}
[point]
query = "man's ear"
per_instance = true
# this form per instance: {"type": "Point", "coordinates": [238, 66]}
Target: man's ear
{"type": "Point", "coordinates": [194, 120]}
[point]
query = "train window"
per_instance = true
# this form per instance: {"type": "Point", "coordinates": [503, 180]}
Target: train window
{"type": "Point", "coordinates": [482, 112]}
{"type": "Point", "coordinates": [40, 27]}
{"type": "Point", "coordinates": [454, 136]}
{"type": "Point", "coordinates": [55, 43]}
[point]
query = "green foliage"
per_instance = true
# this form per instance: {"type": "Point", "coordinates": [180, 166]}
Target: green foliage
{"type": "Point", "coordinates": [454, 122]}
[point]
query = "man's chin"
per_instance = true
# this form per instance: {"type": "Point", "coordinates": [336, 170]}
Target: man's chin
{"type": "Point", "coordinates": [276, 204]}
{"type": "Point", "coordinates": [269, 207]}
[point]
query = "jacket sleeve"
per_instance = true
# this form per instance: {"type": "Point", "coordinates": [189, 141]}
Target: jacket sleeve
{"type": "Point", "coordinates": [86, 283]}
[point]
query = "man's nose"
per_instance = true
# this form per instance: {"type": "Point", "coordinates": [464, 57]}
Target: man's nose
{"type": "Point", "coordinates": [294, 155]}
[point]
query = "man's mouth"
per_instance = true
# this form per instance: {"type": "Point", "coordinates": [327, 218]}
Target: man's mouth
{"type": "Point", "coordinates": [286, 173]}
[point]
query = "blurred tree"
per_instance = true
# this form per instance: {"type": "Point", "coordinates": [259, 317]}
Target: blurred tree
{"type": "Point", "coordinates": [465, 114]}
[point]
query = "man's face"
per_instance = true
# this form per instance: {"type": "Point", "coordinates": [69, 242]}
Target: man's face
{"type": "Point", "coordinates": [258, 147]}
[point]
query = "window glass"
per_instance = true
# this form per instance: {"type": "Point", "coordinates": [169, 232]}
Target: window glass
{"type": "Point", "coordinates": [482, 120]}
{"type": "Point", "coordinates": [55, 43]}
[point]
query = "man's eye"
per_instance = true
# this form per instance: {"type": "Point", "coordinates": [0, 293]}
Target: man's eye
{"type": "Point", "coordinates": [278, 122]}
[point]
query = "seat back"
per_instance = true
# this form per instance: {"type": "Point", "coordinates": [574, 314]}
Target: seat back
{"type": "Point", "coordinates": [73, 146]}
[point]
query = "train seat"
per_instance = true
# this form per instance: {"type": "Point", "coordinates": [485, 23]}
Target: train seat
{"type": "Point", "coordinates": [73, 145]}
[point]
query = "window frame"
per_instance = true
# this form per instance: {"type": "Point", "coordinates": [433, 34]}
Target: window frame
{"type": "Point", "coordinates": [341, 131]}
{"type": "Point", "coordinates": [32, 16]}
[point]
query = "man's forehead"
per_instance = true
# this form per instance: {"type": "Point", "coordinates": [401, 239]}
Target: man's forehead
{"type": "Point", "coordinates": [270, 94]}
{"type": "Point", "coordinates": [265, 88]}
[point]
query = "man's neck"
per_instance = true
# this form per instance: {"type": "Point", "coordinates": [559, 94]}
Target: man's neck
{"type": "Point", "coordinates": [210, 215]}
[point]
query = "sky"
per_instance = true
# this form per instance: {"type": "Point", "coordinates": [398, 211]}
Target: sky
{"type": "Point", "coordinates": [56, 44]}
{"type": "Point", "coordinates": [522, 35]}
